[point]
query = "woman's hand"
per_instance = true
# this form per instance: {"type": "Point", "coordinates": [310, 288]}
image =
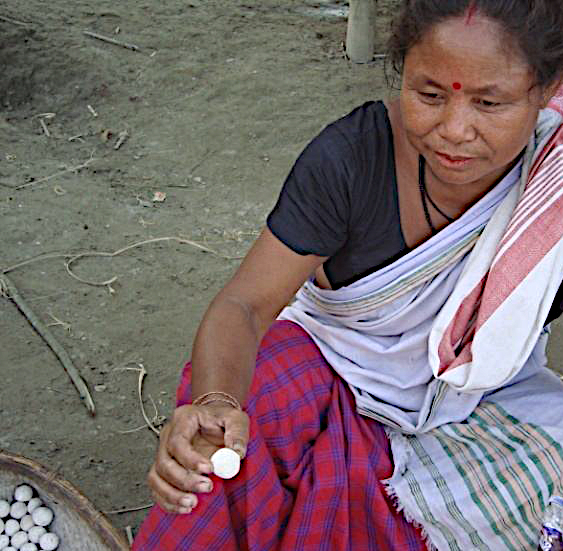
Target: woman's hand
{"type": "Point", "coordinates": [186, 444]}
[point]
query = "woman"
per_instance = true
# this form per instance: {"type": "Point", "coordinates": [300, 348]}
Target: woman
{"type": "Point", "coordinates": [423, 238]}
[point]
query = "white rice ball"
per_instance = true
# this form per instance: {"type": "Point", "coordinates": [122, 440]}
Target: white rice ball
{"type": "Point", "coordinates": [26, 522]}
{"type": "Point", "coordinates": [18, 510]}
{"type": "Point", "coordinates": [35, 533]}
{"type": "Point", "coordinates": [28, 547]}
{"type": "Point", "coordinates": [33, 503]}
{"type": "Point", "coordinates": [42, 516]}
{"type": "Point", "coordinates": [11, 527]}
{"type": "Point", "coordinates": [4, 541]}
{"type": "Point", "coordinates": [4, 508]}
{"type": "Point", "coordinates": [49, 541]}
{"type": "Point", "coordinates": [9, 548]}
{"type": "Point", "coordinates": [1, 528]}
{"type": "Point", "coordinates": [23, 493]}
{"type": "Point", "coordinates": [18, 539]}
{"type": "Point", "coordinates": [226, 463]}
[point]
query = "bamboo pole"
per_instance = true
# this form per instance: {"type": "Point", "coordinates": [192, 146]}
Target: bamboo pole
{"type": "Point", "coordinates": [360, 35]}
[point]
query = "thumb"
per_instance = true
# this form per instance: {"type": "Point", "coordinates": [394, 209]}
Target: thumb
{"type": "Point", "coordinates": [237, 431]}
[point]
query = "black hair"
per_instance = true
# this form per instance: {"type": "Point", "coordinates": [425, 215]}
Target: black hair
{"type": "Point", "coordinates": [534, 26]}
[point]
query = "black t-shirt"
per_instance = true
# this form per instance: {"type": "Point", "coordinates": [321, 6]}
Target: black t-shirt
{"type": "Point", "coordinates": [340, 200]}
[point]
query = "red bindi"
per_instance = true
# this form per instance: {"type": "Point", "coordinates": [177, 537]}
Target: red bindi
{"type": "Point", "coordinates": [456, 86]}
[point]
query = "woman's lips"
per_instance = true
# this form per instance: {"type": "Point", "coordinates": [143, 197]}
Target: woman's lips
{"type": "Point", "coordinates": [453, 161]}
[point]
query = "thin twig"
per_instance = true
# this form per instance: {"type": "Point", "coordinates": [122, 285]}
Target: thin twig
{"type": "Point", "coordinates": [34, 259]}
{"type": "Point", "coordinates": [129, 431]}
{"type": "Point", "coordinates": [142, 373]}
{"type": "Point", "coordinates": [44, 128]}
{"type": "Point", "coordinates": [93, 112]}
{"type": "Point", "coordinates": [122, 136]}
{"type": "Point", "coordinates": [205, 156]}
{"type": "Point", "coordinates": [138, 244]}
{"type": "Point", "coordinates": [14, 21]}
{"type": "Point", "coordinates": [157, 420]}
{"type": "Point", "coordinates": [129, 534]}
{"type": "Point", "coordinates": [47, 178]}
{"type": "Point", "coordinates": [9, 290]}
{"type": "Point", "coordinates": [112, 41]}
{"type": "Point", "coordinates": [74, 257]}
{"type": "Point", "coordinates": [128, 510]}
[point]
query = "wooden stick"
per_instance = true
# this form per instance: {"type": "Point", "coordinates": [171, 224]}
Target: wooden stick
{"type": "Point", "coordinates": [112, 41]}
{"type": "Point", "coordinates": [9, 290]}
{"type": "Point", "coordinates": [128, 510]}
{"type": "Point", "coordinates": [71, 169]}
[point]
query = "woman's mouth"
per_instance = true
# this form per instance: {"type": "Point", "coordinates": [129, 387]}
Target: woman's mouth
{"type": "Point", "coordinates": [453, 161]}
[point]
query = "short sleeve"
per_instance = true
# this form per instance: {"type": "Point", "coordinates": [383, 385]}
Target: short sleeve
{"type": "Point", "coordinates": [312, 213]}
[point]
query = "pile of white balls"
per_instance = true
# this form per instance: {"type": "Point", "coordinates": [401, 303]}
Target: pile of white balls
{"type": "Point", "coordinates": [24, 523]}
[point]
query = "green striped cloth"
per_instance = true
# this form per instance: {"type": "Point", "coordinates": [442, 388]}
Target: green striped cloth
{"type": "Point", "coordinates": [481, 484]}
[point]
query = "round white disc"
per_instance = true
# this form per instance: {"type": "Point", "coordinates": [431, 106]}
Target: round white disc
{"type": "Point", "coordinates": [226, 463]}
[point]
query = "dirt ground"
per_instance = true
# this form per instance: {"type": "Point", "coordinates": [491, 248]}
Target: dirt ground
{"type": "Point", "coordinates": [218, 100]}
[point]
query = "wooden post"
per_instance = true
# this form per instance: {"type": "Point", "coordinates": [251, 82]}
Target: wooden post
{"type": "Point", "coordinates": [360, 35]}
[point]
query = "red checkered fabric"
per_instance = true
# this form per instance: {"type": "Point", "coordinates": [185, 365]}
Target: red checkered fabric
{"type": "Point", "coordinates": [311, 478]}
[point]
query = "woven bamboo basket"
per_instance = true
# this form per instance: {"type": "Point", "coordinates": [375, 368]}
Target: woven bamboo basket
{"type": "Point", "coordinates": [77, 523]}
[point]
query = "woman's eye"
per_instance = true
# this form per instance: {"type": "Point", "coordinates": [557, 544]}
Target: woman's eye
{"type": "Point", "coordinates": [488, 104]}
{"type": "Point", "coordinates": [430, 96]}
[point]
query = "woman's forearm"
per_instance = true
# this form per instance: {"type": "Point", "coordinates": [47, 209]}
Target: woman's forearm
{"type": "Point", "coordinates": [225, 348]}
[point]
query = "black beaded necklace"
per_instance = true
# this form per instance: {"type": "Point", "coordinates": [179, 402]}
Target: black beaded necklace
{"type": "Point", "coordinates": [424, 195]}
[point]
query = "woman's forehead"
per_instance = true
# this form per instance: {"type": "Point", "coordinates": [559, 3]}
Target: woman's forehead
{"type": "Point", "coordinates": [473, 56]}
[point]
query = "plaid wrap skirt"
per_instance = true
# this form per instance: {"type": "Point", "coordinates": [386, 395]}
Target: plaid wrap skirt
{"type": "Point", "coordinates": [311, 477]}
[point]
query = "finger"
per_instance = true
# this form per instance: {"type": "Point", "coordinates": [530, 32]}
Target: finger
{"type": "Point", "coordinates": [237, 427]}
{"type": "Point", "coordinates": [180, 478]}
{"type": "Point", "coordinates": [169, 498]}
{"type": "Point", "coordinates": [168, 468]}
{"type": "Point", "coordinates": [177, 440]}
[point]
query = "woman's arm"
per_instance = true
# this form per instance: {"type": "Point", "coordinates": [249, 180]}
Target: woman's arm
{"type": "Point", "coordinates": [227, 341]}
{"type": "Point", "coordinates": [223, 360]}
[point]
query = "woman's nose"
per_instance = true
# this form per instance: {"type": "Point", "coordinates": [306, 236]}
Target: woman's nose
{"type": "Point", "coordinates": [456, 124]}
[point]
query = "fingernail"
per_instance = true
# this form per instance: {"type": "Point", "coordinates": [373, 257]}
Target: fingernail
{"type": "Point", "coordinates": [239, 448]}
{"type": "Point", "coordinates": [184, 510]}
{"type": "Point", "coordinates": [205, 486]}
{"type": "Point", "coordinates": [187, 502]}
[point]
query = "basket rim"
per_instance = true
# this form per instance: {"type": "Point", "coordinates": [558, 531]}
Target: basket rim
{"type": "Point", "coordinates": [66, 492]}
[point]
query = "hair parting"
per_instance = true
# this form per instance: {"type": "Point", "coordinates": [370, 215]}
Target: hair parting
{"type": "Point", "coordinates": [470, 13]}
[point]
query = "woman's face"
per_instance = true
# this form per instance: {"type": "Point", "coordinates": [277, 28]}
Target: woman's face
{"type": "Point", "coordinates": [468, 103]}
